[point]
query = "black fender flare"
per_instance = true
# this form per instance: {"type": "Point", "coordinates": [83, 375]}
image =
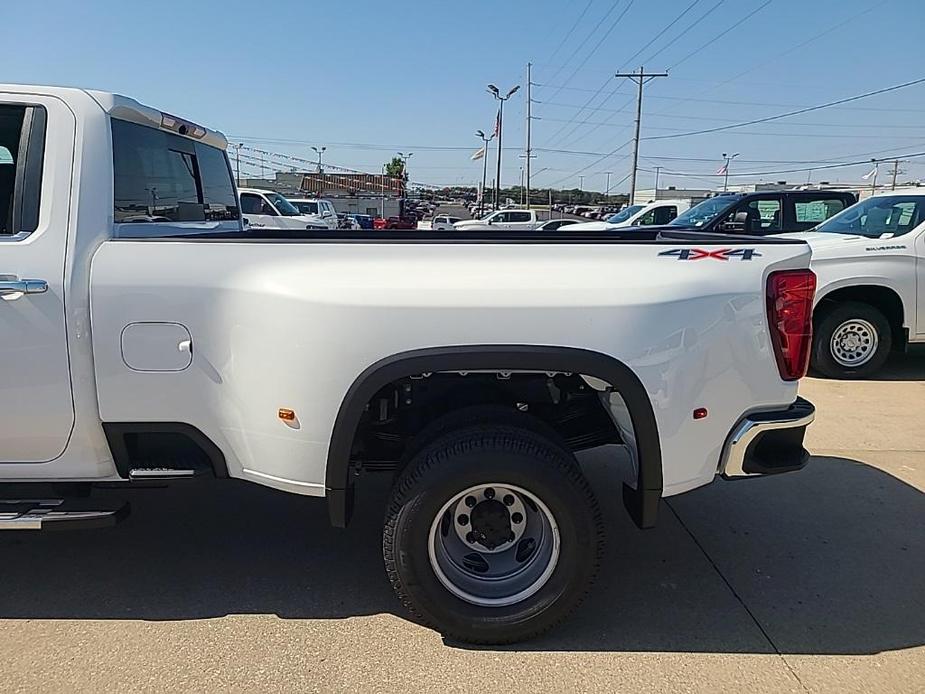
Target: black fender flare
{"type": "Point", "coordinates": [641, 500]}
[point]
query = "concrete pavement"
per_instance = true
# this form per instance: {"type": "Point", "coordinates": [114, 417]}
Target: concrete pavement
{"type": "Point", "coordinates": [806, 582]}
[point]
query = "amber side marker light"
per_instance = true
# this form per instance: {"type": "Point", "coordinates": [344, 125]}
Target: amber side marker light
{"type": "Point", "coordinates": [286, 414]}
{"type": "Point", "coordinates": [700, 413]}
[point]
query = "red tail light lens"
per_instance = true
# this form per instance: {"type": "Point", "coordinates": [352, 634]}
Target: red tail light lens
{"type": "Point", "coordinates": [790, 319]}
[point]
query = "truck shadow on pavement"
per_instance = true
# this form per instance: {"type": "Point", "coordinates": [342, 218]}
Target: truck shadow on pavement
{"type": "Point", "coordinates": [829, 560]}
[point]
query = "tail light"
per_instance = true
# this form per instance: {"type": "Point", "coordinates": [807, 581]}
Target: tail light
{"type": "Point", "coordinates": [790, 319]}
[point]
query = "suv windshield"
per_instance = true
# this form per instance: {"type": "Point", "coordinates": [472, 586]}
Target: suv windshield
{"type": "Point", "coordinates": [882, 216]}
{"type": "Point", "coordinates": [282, 205]}
{"type": "Point", "coordinates": [624, 214]}
{"type": "Point", "coordinates": [306, 206]}
{"type": "Point", "coordinates": [705, 212]}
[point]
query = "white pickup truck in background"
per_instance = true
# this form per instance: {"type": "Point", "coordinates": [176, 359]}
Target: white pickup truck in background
{"type": "Point", "coordinates": [267, 209]}
{"type": "Point", "coordinates": [653, 214]}
{"type": "Point", "coordinates": [150, 336]}
{"type": "Point", "coordinates": [524, 220]}
{"type": "Point", "coordinates": [870, 261]}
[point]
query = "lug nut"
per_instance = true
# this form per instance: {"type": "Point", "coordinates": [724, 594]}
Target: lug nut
{"type": "Point", "coordinates": [508, 499]}
{"type": "Point", "coordinates": [470, 537]}
{"type": "Point", "coordinates": [517, 518]}
{"type": "Point", "coordinates": [489, 493]}
{"type": "Point", "coordinates": [470, 501]}
{"type": "Point", "coordinates": [510, 538]}
{"type": "Point", "coordinates": [463, 519]}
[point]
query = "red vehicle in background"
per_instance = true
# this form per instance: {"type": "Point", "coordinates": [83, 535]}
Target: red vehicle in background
{"type": "Point", "coordinates": [394, 223]}
{"type": "Point", "coordinates": [379, 223]}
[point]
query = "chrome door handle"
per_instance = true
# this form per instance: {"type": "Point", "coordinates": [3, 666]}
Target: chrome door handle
{"type": "Point", "coordinates": [12, 287]}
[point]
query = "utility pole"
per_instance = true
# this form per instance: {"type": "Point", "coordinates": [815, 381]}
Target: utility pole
{"type": "Point", "coordinates": [527, 165]}
{"type": "Point", "coordinates": [657, 170]}
{"type": "Point", "coordinates": [640, 78]}
{"type": "Point", "coordinates": [873, 183]}
{"type": "Point", "coordinates": [896, 163]}
{"type": "Point", "coordinates": [607, 194]}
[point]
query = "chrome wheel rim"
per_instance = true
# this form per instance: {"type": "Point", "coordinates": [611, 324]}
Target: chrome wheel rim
{"type": "Point", "coordinates": [854, 342]}
{"type": "Point", "coordinates": [493, 544]}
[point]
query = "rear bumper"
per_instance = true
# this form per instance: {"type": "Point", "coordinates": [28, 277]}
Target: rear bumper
{"type": "Point", "coordinates": [766, 443]}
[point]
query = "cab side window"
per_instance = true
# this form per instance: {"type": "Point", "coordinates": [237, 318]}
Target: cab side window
{"type": "Point", "coordinates": [22, 149]}
{"type": "Point", "coordinates": [254, 204]}
{"type": "Point", "coordinates": [518, 216]}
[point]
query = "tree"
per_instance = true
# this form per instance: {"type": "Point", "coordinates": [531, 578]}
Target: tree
{"type": "Point", "coordinates": [395, 168]}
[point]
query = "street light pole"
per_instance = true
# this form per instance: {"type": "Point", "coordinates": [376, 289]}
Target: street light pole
{"type": "Point", "coordinates": [728, 158]}
{"type": "Point", "coordinates": [493, 90]}
{"type": "Point", "coordinates": [485, 141]}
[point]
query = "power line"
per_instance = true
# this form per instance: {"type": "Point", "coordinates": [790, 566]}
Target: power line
{"type": "Point", "coordinates": [572, 29]}
{"type": "Point", "coordinates": [721, 34]}
{"type": "Point", "coordinates": [601, 40]}
{"type": "Point", "coordinates": [629, 60]}
{"type": "Point", "coordinates": [640, 78]}
{"type": "Point", "coordinates": [788, 114]}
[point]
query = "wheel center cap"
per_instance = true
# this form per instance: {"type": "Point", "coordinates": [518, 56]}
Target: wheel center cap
{"type": "Point", "coordinates": [852, 341]}
{"type": "Point", "coordinates": [491, 523]}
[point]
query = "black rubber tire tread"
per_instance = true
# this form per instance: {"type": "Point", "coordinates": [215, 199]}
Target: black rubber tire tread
{"type": "Point", "coordinates": [522, 457]}
{"type": "Point", "coordinates": [498, 415]}
{"type": "Point", "coordinates": [821, 359]}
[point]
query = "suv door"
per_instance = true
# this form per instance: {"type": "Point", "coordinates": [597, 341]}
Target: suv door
{"type": "Point", "coordinates": [36, 139]}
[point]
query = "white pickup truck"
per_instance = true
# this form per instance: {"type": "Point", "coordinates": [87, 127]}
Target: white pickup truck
{"type": "Point", "coordinates": [149, 336]}
{"type": "Point", "coordinates": [870, 261]}
{"type": "Point", "coordinates": [655, 213]}
{"type": "Point", "coordinates": [523, 220]}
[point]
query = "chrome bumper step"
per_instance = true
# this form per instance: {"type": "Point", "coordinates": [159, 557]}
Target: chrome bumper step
{"type": "Point", "coordinates": [59, 514]}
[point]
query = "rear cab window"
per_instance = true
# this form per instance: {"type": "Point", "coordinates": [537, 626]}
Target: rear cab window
{"type": "Point", "coordinates": [166, 185]}
{"type": "Point", "coordinates": [811, 211]}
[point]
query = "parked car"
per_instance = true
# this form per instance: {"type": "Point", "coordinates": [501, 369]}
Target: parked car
{"type": "Point", "coordinates": [870, 296]}
{"type": "Point", "coordinates": [345, 221]}
{"type": "Point", "coordinates": [443, 222]}
{"type": "Point", "coordinates": [318, 207]}
{"type": "Point", "coordinates": [554, 224]}
{"type": "Point", "coordinates": [502, 219]}
{"type": "Point", "coordinates": [655, 213]}
{"type": "Point", "coordinates": [469, 370]}
{"type": "Point", "coordinates": [364, 221]}
{"type": "Point", "coordinates": [401, 223]}
{"type": "Point", "coordinates": [267, 209]}
{"type": "Point", "coordinates": [379, 222]}
{"type": "Point", "coordinates": [766, 212]}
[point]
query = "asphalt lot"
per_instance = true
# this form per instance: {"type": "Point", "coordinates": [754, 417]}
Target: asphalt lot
{"type": "Point", "coordinates": [813, 581]}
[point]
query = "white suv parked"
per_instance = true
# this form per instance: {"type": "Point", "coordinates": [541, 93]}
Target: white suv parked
{"type": "Point", "coordinates": [317, 207]}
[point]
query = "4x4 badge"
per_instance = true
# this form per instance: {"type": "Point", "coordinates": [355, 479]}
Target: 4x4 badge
{"type": "Point", "coordinates": [719, 254]}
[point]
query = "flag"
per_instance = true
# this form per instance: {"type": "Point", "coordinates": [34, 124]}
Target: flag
{"type": "Point", "coordinates": [872, 172]}
{"type": "Point", "coordinates": [479, 153]}
{"type": "Point", "coordinates": [721, 170]}
{"type": "Point", "coordinates": [498, 123]}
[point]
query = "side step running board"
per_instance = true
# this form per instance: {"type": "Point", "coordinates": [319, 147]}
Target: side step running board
{"type": "Point", "coordinates": [160, 473]}
{"type": "Point", "coordinates": [59, 514]}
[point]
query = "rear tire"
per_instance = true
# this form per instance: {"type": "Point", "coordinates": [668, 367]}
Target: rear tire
{"type": "Point", "coordinates": [852, 340]}
{"type": "Point", "coordinates": [511, 570]}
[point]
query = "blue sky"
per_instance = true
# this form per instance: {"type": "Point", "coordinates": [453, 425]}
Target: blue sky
{"type": "Point", "coordinates": [367, 79]}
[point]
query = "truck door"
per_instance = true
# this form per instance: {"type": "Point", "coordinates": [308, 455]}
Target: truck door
{"type": "Point", "coordinates": [260, 213]}
{"type": "Point", "coordinates": [36, 152]}
{"type": "Point", "coordinates": [919, 250]}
